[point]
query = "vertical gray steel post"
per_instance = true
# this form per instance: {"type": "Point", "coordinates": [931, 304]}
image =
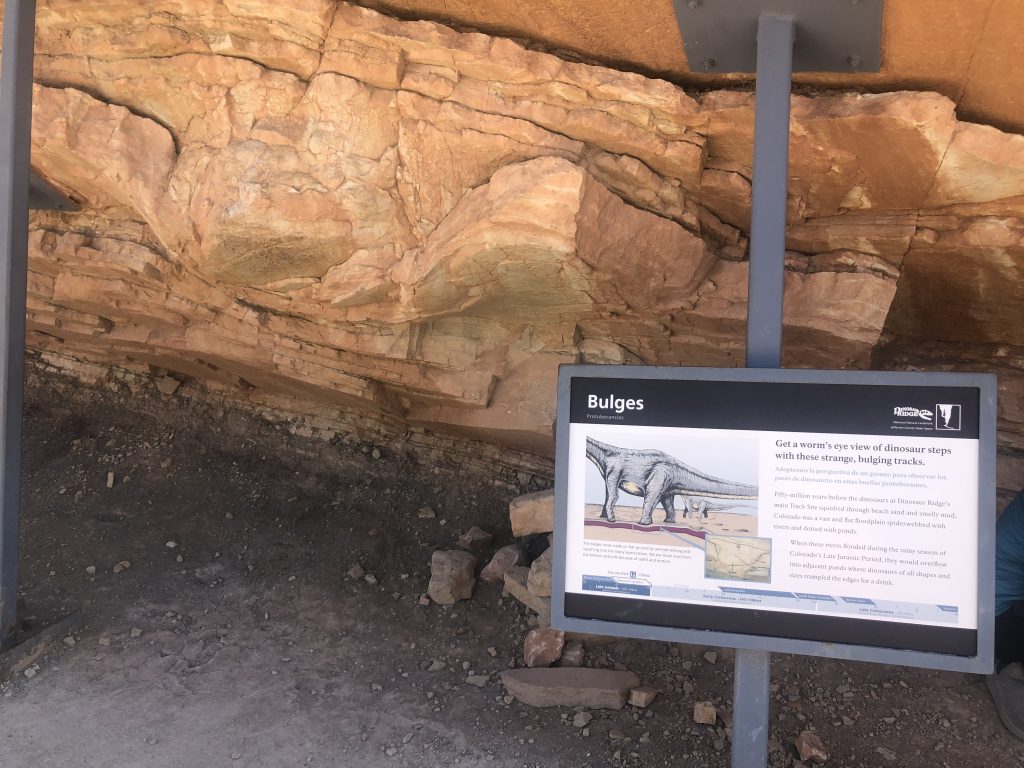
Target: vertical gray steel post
{"type": "Point", "coordinates": [15, 138]}
{"type": "Point", "coordinates": [775, 36]}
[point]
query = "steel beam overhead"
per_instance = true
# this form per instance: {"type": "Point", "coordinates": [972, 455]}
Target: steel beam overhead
{"type": "Point", "coordinates": [835, 35]}
{"type": "Point", "coordinates": [15, 137]}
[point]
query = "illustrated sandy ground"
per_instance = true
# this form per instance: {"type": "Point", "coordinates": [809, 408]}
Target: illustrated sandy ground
{"type": "Point", "coordinates": [723, 523]}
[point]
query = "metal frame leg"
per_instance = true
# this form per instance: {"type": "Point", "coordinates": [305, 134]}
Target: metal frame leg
{"type": "Point", "coordinates": [15, 141]}
{"type": "Point", "coordinates": [750, 700]}
{"type": "Point", "coordinates": [775, 36]}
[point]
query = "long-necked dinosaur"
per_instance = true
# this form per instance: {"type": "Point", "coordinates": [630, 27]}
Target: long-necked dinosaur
{"type": "Point", "coordinates": [658, 478]}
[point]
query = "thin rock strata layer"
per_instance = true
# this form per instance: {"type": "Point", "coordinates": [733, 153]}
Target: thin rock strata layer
{"type": "Point", "coordinates": [312, 199]}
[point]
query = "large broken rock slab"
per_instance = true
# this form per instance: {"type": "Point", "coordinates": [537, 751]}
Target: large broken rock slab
{"type": "Point", "coordinates": [532, 513]}
{"type": "Point", "coordinates": [570, 687]}
{"type": "Point", "coordinates": [501, 563]}
{"type": "Point", "coordinates": [539, 580]}
{"type": "Point", "coordinates": [516, 580]}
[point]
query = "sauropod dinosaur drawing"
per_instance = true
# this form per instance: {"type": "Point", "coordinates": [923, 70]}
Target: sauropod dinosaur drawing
{"type": "Point", "coordinates": [658, 478]}
{"type": "Point", "coordinates": [700, 506]}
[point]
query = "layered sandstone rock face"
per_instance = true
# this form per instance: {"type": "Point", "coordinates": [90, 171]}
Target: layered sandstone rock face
{"type": "Point", "coordinates": [318, 201]}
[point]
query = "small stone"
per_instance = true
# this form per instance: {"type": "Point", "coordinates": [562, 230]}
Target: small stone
{"type": "Point", "coordinates": [124, 565]}
{"type": "Point", "coordinates": [572, 655]}
{"type": "Point", "coordinates": [492, 651]}
{"type": "Point", "coordinates": [642, 697]}
{"type": "Point", "coordinates": [810, 747]}
{"type": "Point", "coordinates": [475, 539]}
{"type": "Point", "coordinates": [135, 632]}
{"type": "Point", "coordinates": [171, 544]}
{"type": "Point", "coordinates": [426, 513]}
{"type": "Point", "coordinates": [582, 719]}
{"type": "Point", "coordinates": [390, 751]}
{"type": "Point", "coordinates": [104, 640]}
{"type": "Point", "coordinates": [69, 641]}
{"type": "Point", "coordinates": [704, 712]}
{"type": "Point", "coordinates": [543, 647]}
{"type": "Point", "coordinates": [886, 753]}
{"type": "Point", "coordinates": [208, 574]}
{"type": "Point", "coordinates": [710, 657]}
{"type": "Point", "coordinates": [423, 600]}
{"type": "Point", "coordinates": [110, 479]}
{"type": "Point", "coordinates": [436, 666]}
{"type": "Point", "coordinates": [356, 572]}
{"type": "Point", "coordinates": [91, 570]}
{"type": "Point", "coordinates": [539, 580]}
{"type": "Point", "coordinates": [503, 561]}
{"type": "Point", "coordinates": [31, 671]}
{"type": "Point", "coordinates": [451, 576]}
{"type": "Point", "coordinates": [370, 579]}
{"type": "Point", "coordinates": [376, 454]}
{"type": "Point", "coordinates": [478, 680]}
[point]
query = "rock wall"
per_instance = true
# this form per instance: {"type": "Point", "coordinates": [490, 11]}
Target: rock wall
{"type": "Point", "coordinates": [314, 201]}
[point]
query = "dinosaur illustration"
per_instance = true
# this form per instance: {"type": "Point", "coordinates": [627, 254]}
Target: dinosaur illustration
{"type": "Point", "coordinates": [658, 478]}
{"type": "Point", "coordinates": [698, 506]}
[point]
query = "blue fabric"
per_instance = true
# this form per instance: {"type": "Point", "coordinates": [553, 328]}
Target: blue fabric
{"type": "Point", "coordinates": [1010, 555]}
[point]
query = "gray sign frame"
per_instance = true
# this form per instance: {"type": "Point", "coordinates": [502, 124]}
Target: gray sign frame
{"type": "Point", "coordinates": [986, 385]}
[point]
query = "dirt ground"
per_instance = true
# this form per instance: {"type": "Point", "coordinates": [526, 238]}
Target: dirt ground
{"type": "Point", "coordinates": [235, 637]}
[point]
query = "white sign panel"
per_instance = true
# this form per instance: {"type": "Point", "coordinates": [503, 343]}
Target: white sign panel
{"type": "Point", "coordinates": [826, 512]}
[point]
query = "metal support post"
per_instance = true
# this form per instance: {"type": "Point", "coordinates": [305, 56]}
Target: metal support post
{"type": "Point", "coordinates": [15, 138]}
{"type": "Point", "coordinates": [771, 174]}
{"type": "Point", "coordinates": [775, 36]}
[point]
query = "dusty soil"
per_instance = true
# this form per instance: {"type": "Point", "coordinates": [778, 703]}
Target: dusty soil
{"type": "Point", "coordinates": [245, 643]}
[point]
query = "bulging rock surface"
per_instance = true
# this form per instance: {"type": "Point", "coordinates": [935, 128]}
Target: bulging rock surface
{"type": "Point", "coordinates": [319, 206]}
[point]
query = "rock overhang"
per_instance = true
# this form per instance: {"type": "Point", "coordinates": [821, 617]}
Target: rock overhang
{"type": "Point", "coordinates": [362, 210]}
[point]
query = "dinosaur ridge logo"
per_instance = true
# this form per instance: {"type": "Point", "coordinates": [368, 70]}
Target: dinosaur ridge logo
{"type": "Point", "coordinates": [613, 403]}
{"type": "Point", "coordinates": [944, 417]}
{"type": "Point", "coordinates": [907, 412]}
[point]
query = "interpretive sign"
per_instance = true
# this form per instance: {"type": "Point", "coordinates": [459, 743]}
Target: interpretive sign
{"type": "Point", "coordinates": [846, 514]}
